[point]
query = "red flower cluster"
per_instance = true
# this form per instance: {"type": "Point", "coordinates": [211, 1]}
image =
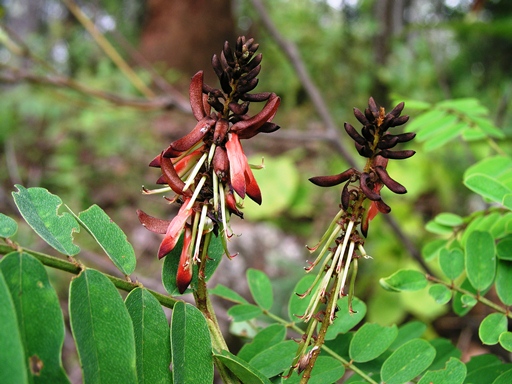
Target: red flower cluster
{"type": "Point", "coordinates": [208, 166]}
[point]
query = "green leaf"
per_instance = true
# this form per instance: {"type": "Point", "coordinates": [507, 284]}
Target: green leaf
{"type": "Point", "coordinates": [436, 127]}
{"type": "Point", "coordinates": [8, 227]}
{"type": "Point", "coordinates": [40, 320]}
{"type": "Point", "coordinates": [346, 320]}
{"type": "Point", "coordinates": [12, 354]}
{"type": "Point", "coordinates": [408, 331]}
{"type": "Point", "coordinates": [449, 219]}
{"type": "Point", "coordinates": [492, 327]}
{"type": "Point", "coordinates": [246, 373]}
{"type": "Point", "coordinates": [453, 373]}
{"type": "Point", "coordinates": [297, 305]}
{"type": "Point", "coordinates": [427, 119]}
{"type": "Point", "coordinates": [487, 187]}
{"type": "Point", "coordinates": [404, 280]}
{"type": "Point", "coordinates": [505, 340]}
{"type": "Point", "coordinates": [467, 106]}
{"type": "Point", "coordinates": [192, 358]}
{"type": "Point", "coordinates": [487, 127]}
{"type": "Point", "coordinates": [102, 329]}
{"type": "Point", "coordinates": [444, 135]}
{"type": "Point", "coordinates": [244, 312]}
{"type": "Point", "coordinates": [260, 287]}
{"type": "Point", "coordinates": [486, 374]}
{"type": "Point", "coordinates": [267, 337]}
{"type": "Point", "coordinates": [170, 267]}
{"type": "Point", "coordinates": [504, 378]}
{"type": "Point", "coordinates": [40, 208]}
{"type": "Point", "coordinates": [274, 360]}
{"type": "Point", "coordinates": [370, 341]}
{"type": "Point", "coordinates": [499, 228]}
{"type": "Point", "coordinates": [414, 104]}
{"type": "Point", "coordinates": [451, 262]}
{"type": "Point", "coordinates": [445, 350]}
{"type": "Point", "coordinates": [438, 229]}
{"type": "Point", "coordinates": [110, 237]}
{"type": "Point", "coordinates": [228, 294]}
{"type": "Point", "coordinates": [152, 341]}
{"type": "Point", "coordinates": [459, 307]}
{"type": "Point", "coordinates": [504, 281]}
{"type": "Point", "coordinates": [504, 248]}
{"type": "Point", "coordinates": [326, 370]}
{"type": "Point", "coordinates": [480, 260]}
{"type": "Point", "coordinates": [468, 301]}
{"type": "Point", "coordinates": [440, 293]}
{"type": "Point", "coordinates": [431, 249]}
{"type": "Point", "coordinates": [407, 362]}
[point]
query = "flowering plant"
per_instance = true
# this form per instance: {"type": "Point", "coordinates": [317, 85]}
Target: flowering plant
{"type": "Point", "coordinates": [207, 167]}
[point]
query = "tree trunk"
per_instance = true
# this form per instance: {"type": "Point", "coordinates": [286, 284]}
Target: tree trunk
{"type": "Point", "coordinates": [184, 34]}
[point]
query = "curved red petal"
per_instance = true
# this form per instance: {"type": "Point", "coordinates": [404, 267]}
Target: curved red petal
{"type": "Point", "coordinates": [196, 96]}
{"type": "Point", "coordinates": [266, 114]}
{"type": "Point", "coordinates": [184, 273]}
{"type": "Point", "coordinates": [152, 223]}
{"type": "Point", "coordinates": [195, 136]}
{"type": "Point", "coordinates": [251, 186]}
{"type": "Point", "coordinates": [237, 164]}
{"type": "Point", "coordinates": [174, 230]}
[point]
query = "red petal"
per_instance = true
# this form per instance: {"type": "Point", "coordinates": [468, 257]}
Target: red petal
{"type": "Point", "coordinates": [252, 188]}
{"type": "Point", "coordinates": [372, 211]}
{"type": "Point", "coordinates": [195, 136]}
{"type": "Point", "coordinates": [184, 274]}
{"type": "Point", "coordinates": [174, 230]}
{"type": "Point", "coordinates": [196, 96]}
{"type": "Point", "coordinates": [237, 164]}
{"type": "Point", "coordinates": [266, 114]}
{"type": "Point", "coordinates": [170, 176]}
{"type": "Point", "coordinates": [184, 163]}
{"type": "Point", "coordinates": [152, 223]}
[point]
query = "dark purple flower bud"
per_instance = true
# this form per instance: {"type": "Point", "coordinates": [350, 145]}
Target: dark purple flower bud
{"type": "Point", "coordinates": [354, 134]}
{"type": "Point", "coordinates": [262, 96]}
{"type": "Point", "coordinates": [363, 150]}
{"type": "Point", "coordinates": [387, 141]}
{"type": "Point", "coordinates": [330, 181]}
{"type": "Point", "coordinates": [374, 108]}
{"type": "Point", "coordinates": [405, 137]}
{"type": "Point", "coordinates": [398, 155]}
{"type": "Point", "coordinates": [399, 121]}
{"type": "Point", "coordinates": [361, 117]}
{"type": "Point", "coordinates": [220, 132]}
{"type": "Point", "coordinates": [389, 182]}
{"type": "Point", "coordinates": [397, 110]}
{"type": "Point", "coordinates": [256, 60]}
{"type": "Point", "coordinates": [217, 67]}
{"type": "Point", "coordinates": [383, 207]}
{"type": "Point", "coordinates": [248, 87]}
{"type": "Point", "coordinates": [368, 189]}
{"type": "Point", "coordinates": [368, 132]}
{"type": "Point", "coordinates": [345, 196]}
{"type": "Point", "coordinates": [239, 109]}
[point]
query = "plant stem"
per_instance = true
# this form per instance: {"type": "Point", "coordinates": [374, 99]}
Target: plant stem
{"type": "Point", "coordinates": [477, 297]}
{"type": "Point", "coordinates": [203, 303]}
{"type": "Point", "coordinates": [75, 269]}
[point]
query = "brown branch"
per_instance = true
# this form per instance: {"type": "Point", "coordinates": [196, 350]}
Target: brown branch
{"type": "Point", "coordinates": [291, 51]}
{"type": "Point", "coordinates": [13, 75]}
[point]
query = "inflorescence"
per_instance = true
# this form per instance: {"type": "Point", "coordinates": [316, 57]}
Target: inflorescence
{"type": "Point", "coordinates": [207, 169]}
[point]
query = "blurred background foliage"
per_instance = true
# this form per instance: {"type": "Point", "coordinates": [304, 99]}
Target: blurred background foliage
{"type": "Point", "coordinates": [89, 150]}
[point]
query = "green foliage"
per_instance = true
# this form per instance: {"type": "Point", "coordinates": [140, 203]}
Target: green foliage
{"type": "Point", "coordinates": [102, 329]}
{"type": "Point", "coordinates": [192, 357]}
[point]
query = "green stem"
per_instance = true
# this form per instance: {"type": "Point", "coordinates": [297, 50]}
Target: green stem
{"type": "Point", "coordinates": [76, 268]}
{"type": "Point", "coordinates": [203, 303]}
{"type": "Point", "coordinates": [477, 297]}
{"type": "Point", "coordinates": [294, 327]}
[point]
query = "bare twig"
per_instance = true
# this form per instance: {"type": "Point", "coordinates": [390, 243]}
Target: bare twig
{"type": "Point", "coordinates": [109, 49]}
{"type": "Point", "coordinates": [296, 61]}
{"type": "Point", "coordinates": [14, 75]}
{"type": "Point", "coordinates": [319, 103]}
